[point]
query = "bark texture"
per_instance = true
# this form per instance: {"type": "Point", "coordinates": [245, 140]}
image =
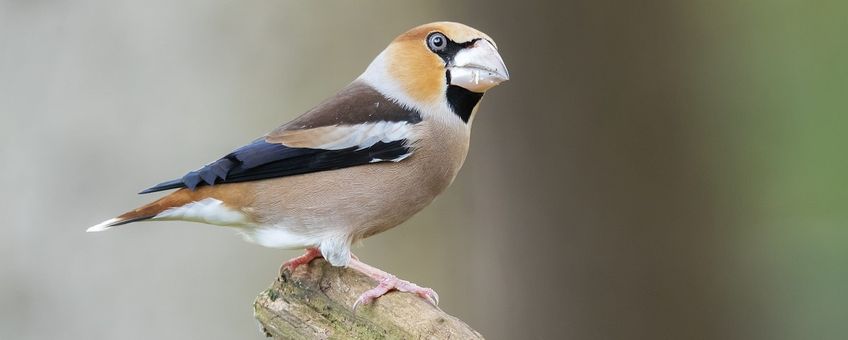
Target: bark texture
{"type": "Point", "coordinates": [315, 302]}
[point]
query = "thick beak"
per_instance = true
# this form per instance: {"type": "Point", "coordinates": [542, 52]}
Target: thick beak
{"type": "Point", "coordinates": [478, 68]}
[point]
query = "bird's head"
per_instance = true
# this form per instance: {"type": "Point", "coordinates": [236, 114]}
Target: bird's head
{"type": "Point", "coordinates": [437, 65]}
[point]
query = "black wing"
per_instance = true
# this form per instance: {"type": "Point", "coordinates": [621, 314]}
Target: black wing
{"type": "Point", "coordinates": [263, 160]}
{"type": "Point", "coordinates": [356, 104]}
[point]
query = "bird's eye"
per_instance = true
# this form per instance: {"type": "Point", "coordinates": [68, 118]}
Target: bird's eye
{"type": "Point", "coordinates": [437, 42]}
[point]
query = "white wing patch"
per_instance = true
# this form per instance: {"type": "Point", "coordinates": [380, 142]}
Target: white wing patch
{"type": "Point", "coordinates": [339, 137]}
{"type": "Point", "coordinates": [365, 135]}
{"type": "Point", "coordinates": [207, 210]}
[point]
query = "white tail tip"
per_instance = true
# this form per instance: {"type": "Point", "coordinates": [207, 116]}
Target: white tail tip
{"type": "Point", "coordinates": [102, 226]}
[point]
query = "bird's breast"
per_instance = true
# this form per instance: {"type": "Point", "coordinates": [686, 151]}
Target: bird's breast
{"type": "Point", "coordinates": [364, 200]}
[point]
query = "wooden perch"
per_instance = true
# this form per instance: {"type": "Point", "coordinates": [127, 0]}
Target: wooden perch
{"type": "Point", "coordinates": [315, 302]}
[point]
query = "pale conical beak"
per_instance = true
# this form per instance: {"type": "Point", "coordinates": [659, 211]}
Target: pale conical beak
{"type": "Point", "coordinates": [478, 68]}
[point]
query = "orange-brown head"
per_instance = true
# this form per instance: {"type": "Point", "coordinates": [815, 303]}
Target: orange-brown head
{"type": "Point", "coordinates": [441, 62]}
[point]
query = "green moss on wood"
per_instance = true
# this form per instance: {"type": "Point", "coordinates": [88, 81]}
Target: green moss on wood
{"type": "Point", "coordinates": [316, 301]}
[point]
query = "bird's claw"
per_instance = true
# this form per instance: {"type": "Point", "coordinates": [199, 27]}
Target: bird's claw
{"type": "Point", "coordinates": [393, 283]}
{"type": "Point", "coordinates": [291, 265]}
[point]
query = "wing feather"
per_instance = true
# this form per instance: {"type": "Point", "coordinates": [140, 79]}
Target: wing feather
{"type": "Point", "coordinates": [371, 129]}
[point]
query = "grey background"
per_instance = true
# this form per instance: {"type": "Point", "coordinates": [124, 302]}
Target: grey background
{"type": "Point", "coordinates": [642, 176]}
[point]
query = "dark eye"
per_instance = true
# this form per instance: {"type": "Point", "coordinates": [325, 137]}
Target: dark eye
{"type": "Point", "coordinates": [437, 42]}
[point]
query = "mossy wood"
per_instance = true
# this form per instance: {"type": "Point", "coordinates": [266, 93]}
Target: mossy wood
{"type": "Point", "coordinates": [315, 302]}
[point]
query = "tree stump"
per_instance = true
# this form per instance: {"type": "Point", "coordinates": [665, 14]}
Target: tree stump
{"type": "Point", "coordinates": [315, 302]}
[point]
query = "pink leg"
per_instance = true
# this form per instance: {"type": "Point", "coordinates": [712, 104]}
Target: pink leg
{"type": "Point", "coordinates": [388, 282]}
{"type": "Point", "coordinates": [291, 265]}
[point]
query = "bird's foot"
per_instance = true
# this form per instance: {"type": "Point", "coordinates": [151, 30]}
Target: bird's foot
{"type": "Point", "coordinates": [392, 282]}
{"type": "Point", "coordinates": [291, 265]}
{"type": "Point", "coordinates": [388, 282]}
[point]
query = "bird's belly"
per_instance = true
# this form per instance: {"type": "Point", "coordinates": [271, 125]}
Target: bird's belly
{"type": "Point", "coordinates": [348, 204]}
{"type": "Point", "coordinates": [279, 236]}
{"type": "Point", "coordinates": [356, 202]}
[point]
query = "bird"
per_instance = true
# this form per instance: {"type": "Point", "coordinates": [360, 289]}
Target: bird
{"type": "Point", "coordinates": [359, 163]}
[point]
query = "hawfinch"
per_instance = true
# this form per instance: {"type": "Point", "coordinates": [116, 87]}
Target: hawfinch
{"type": "Point", "coordinates": [360, 163]}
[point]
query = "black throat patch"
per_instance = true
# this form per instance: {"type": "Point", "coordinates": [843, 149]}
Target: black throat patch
{"type": "Point", "coordinates": [462, 101]}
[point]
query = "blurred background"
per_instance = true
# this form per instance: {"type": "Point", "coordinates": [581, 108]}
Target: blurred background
{"type": "Point", "coordinates": [653, 170]}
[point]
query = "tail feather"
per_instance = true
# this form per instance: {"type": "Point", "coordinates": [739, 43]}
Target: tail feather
{"type": "Point", "coordinates": [114, 222]}
{"type": "Point", "coordinates": [146, 212]}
